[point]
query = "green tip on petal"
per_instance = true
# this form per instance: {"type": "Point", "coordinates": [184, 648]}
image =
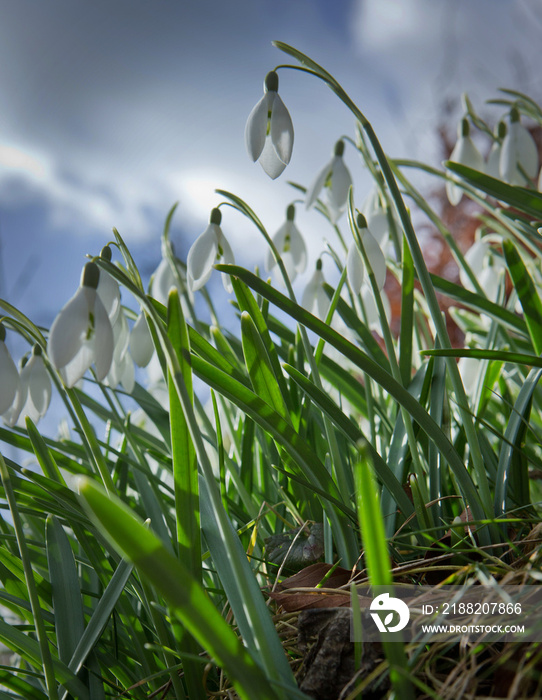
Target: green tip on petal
{"type": "Point", "coordinates": [290, 213]}
{"type": "Point", "coordinates": [339, 148]}
{"type": "Point", "coordinates": [465, 127]}
{"type": "Point", "coordinates": [37, 350]}
{"type": "Point", "coordinates": [271, 81]}
{"type": "Point", "coordinates": [106, 253]}
{"type": "Point", "coordinates": [90, 276]}
{"type": "Point", "coordinates": [2, 333]}
{"type": "Point", "coordinates": [514, 115]}
{"type": "Point", "coordinates": [319, 264]}
{"type": "Point", "coordinates": [216, 216]}
{"type": "Point", "coordinates": [501, 130]}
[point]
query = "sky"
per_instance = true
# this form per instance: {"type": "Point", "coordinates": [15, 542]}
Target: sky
{"type": "Point", "coordinates": [113, 110]}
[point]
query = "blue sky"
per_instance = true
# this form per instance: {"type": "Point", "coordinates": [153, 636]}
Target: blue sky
{"type": "Point", "coordinates": [112, 110]}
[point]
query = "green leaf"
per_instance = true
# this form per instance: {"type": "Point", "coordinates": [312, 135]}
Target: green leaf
{"type": "Point", "coordinates": [66, 594]}
{"type": "Point", "coordinates": [186, 597]}
{"type": "Point", "coordinates": [527, 294]}
{"type": "Point", "coordinates": [528, 202]}
{"type": "Point", "coordinates": [260, 370]}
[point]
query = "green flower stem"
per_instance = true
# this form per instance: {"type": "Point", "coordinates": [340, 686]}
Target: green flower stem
{"type": "Point", "coordinates": [423, 275]}
{"type": "Point", "coordinates": [48, 669]}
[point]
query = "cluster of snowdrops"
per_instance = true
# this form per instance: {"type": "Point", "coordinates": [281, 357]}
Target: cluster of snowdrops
{"type": "Point", "coordinates": [93, 329]}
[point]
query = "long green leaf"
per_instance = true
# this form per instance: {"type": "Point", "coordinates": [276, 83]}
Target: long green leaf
{"type": "Point", "coordinates": [260, 370]}
{"type": "Point", "coordinates": [186, 597]}
{"type": "Point", "coordinates": [527, 294]}
{"type": "Point", "coordinates": [66, 593]}
{"type": "Point", "coordinates": [529, 202]}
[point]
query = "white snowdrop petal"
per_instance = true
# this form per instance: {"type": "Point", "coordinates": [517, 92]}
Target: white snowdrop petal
{"type": "Point", "coordinates": [9, 378]}
{"type": "Point", "coordinates": [39, 388]}
{"type": "Point", "coordinates": [493, 160]}
{"type": "Point", "coordinates": [202, 257]}
{"type": "Point", "coordinates": [341, 181]}
{"type": "Point", "coordinates": [282, 130]}
{"type": "Point", "coordinates": [298, 248]}
{"type": "Point", "coordinates": [109, 293]}
{"type": "Point", "coordinates": [527, 151]}
{"type": "Point", "coordinates": [270, 161]}
{"type": "Point", "coordinates": [354, 268]}
{"type": "Point", "coordinates": [375, 256]}
{"type": "Point", "coordinates": [103, 340]}
{"type": "Point", "coordinates": [69, 330]}
{"type": "Point", "coordinates": [127, 373]}
{"type": "Point", "coordinates": [74, 370]}
{"type": "Point", "coordinates": [256, 128]}
{"type": "Point", "coordinates": [227, 258]}
{"type": "Point", "coordinates": [141, 345]}
{"type": "Point", "coordinates": [317, 185]}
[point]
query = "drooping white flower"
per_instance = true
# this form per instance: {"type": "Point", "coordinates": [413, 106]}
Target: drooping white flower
{"type": "Point", "coordinates": [81, 334]}
{"type": "Point", "coordinates": [291, 247]}
{"type": "Point", "coordinates": [165, 278]}
{"type": "Point", "coordinates": [314, 298]}
{"type": "Point", "coordinates": [122, 366]}
{"type": "Point", "coordinates": [493, 163]}
{"type": "Point", "coordinates": [465, 153]}
{"type": "Point", "coordinates": [335, 178]}
{"type": "Point", "coordinates": [269, 132]}
{"type": "Point", "coordinates": [141, 345]}
{"type": "Point", "coordinates": [486, 266]}
{"type": "Point", "coordinates": [9, 376]}
{"type": "Point", "coordinates": [34, 394]}
{"type": "Point", "coordinates": [378, 214]}
{"type": "Point", "coordinates": [354, 262]}
{"type": "Point", "coordinates": [208, 249]}
{"type": "Point", "coordinates": [108, 289]}
{"type": "Point", "coordinates": [518, 154]}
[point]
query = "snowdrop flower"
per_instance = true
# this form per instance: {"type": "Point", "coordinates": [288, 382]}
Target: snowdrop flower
{"type": "Point", "coordinates": [34, 394]}
{"type": "Point", "coordinates": [519, 153]}
{"type": "Point", "coordinates": [354, 262]}
{"type": "Point", "coordinates": [122, 366]}
{"type": "Point", "coordinates": [465, 153]}
{"type": "Point", "coordinates": [208, 249]}
{"type": "Point", "coordinates": [494, 158]}
{"type": "Point", "coordinates": [108, 289]}
{"type": "Point", "coordinates": [487, 267]}
{"type": "Point", "coordinates": [291, 246]}
{"type": "Point", "coordinates": [81, 334]}
{"type": "Point", "coordinates": [377, 213]}
{"type": "Point", "coordinates": [269, 132]}
{"type": "Point", "coordinates": [336, 180]}
{"type": "Point", "coordinates": [166, 278]}
{"type": "Point", "coordinates": [141, 345]}
{"type": "Point", "coordinates": [314, 298]}
{"type": "Point", "coordinates": [9, 377]}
